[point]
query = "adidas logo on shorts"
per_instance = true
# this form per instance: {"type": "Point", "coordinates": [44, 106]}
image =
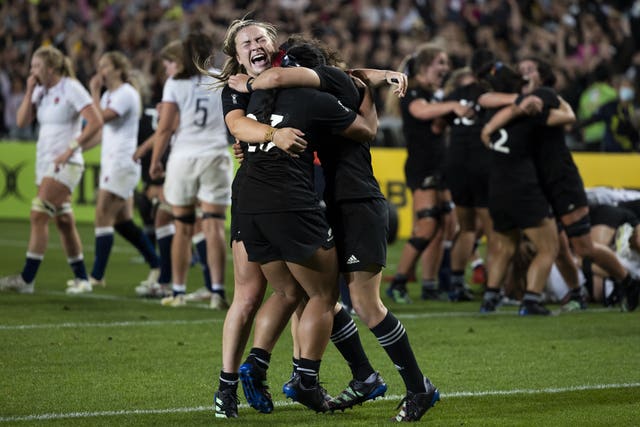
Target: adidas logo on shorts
{"type": "Point", "coordinates": [352, 260]}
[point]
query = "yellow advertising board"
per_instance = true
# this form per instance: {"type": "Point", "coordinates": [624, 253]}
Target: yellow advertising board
{"type": "Point", "coordinates": [17, 180]}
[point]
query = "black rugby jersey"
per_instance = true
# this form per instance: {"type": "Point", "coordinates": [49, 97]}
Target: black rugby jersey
{"type": "Point", "coordinates": [512, 164]}
{"type": "Point", "coordinates": [465, 145]}
{"type": "Point", "coordinates": [552, 156]}
{"type": "Point", "coordinates": [275, 181]}
{"type": "Point", "coordinates": [346, 163]}
{"type": "Point", "coordinates": [422, 143]}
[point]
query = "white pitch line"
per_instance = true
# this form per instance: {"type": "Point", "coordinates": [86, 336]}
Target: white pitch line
{"type": "Point", "coordinates": [205, 306]}
{"type": "Point", "coordinates": [125, 412]}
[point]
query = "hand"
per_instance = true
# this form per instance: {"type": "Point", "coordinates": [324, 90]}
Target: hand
{"type": "Point", "coordinates": [485, 136]}
{"type": "Point", "coordinates": [463, 110]}
{"type": "Point", "coordinates": [531, 105]}
{"type": "Point", "coordinates": [32, 81]}
{"type": "Point", "coordinates": [290, 141]}
{"type": "Point", "coordinates": [399, 80]}
{"type": "Point", "coordinates": [96, 83]}
{"type": "Point", "coordinates": [237, 151]}
{"type": "Point", "coordinates": [141, 151]}
{"type": "Point", "coordinates": [238, 82]}
{"type": "Point", "coordinates": [156, 171]}
{"type": "Point", "coordinates": [62, 159]}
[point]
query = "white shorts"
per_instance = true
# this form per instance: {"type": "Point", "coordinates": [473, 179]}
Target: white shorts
{"type": "Point", "coordinates": [192, 179]}
{"type": "Point", "coordinates": [120, 180]}
{"type": "Point", "coordinates": [68, 174]}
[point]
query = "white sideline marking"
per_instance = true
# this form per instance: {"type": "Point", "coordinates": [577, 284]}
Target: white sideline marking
{"type": "Point", "coordinates": [106, 324]}
{"type": "Point", "coordinates": [552, 390]}
{"type": "Point", "coordinates": [206, 306]}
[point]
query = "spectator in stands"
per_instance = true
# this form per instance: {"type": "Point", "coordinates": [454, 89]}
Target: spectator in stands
{"type": "Point", "coordinates": [620, 119]}
{"type": "Point", "coordinates": [598, 93]}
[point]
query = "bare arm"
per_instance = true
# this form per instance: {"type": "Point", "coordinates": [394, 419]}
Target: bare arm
{"type": "Point", "coordinates": [421, 109]}
{"type": "Point", "coordinates": [25, 113]}
{"type": "Point", "coordinates": [276, 77]}
{"type": "Point", "coordinates": [289, 140]}
{"type": "Point", "coordinates": [162, 136]}
{"type": "Point", "coordinates": [95, 86]}
{"type": "Point", "coordinates": [92, 127]}
{"type": "Point", "coordinates": [496, 99]}
{"type": "Point", "coordinates": [561, 116]}
{"type": "Point", "coordinates": [498, 121]}
{"type": "Point", "coordinates": [375, 78]}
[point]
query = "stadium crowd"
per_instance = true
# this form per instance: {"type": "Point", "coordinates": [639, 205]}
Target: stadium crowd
{"type": "Point", "coordinates": [585, 41]}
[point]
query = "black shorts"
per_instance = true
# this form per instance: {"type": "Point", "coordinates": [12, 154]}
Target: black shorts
{"type": "Point", "coordinates": [425, 181]}
{"type": "Point", "coordinates": [360, 228]}
{"type": "Point", "coordinates": [611, 216]}
{"type": "Point", "coordinates": [518, 213]}
{"type": "Point", "coordinates": [285, 236]}
{"type": "Point", "coordinates": [567, 195]}
{"type": "Point", "coordinates": [469, 188]}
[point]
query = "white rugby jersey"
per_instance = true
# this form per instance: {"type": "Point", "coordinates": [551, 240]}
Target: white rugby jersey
{"type": "Point", "coordinates": [58, 114]}
{"type": "Point", "coordinates": [610, 196]}
{"type": "Point", "coordinates": [202, 130]}
{"type": "Point", "coordinates": [120, 135]}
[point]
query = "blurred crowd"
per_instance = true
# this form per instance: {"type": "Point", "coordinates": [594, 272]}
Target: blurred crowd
{"type": "Point", "coordinates": [587, 42]}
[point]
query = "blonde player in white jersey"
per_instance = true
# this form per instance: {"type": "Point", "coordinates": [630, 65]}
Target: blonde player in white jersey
{"type": "Point", "coordinates": [60, 104]}
{"type": "Point", "coordinates": [199, 169]}
{"type": "Point", "coordinates": [120, 108]}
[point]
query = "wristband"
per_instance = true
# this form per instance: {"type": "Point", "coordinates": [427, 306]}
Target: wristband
{"type": "Point", "coordinates": [249, 82]}
{"type": "Point", "coordinates": [268, 135]}
{"type": "Point", "coordinates": [74, 145]}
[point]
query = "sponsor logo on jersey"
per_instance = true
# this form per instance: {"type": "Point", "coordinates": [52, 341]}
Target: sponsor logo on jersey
{"type": "Point", "coordinates": [352, 260]}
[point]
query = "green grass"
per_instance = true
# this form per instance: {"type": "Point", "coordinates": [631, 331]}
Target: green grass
{"type": "Point", "coordinates": [112, 359]}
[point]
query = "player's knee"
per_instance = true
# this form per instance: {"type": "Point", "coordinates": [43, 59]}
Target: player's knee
{"type": "Point", "coordinates": [64, 209]}
{"type": "Point", "coordinates": [188, 218]}
{"type": "Point", "coordinates": [419, 243]}
{"type": "Point", "coordinates": [214, 215]}
{"type": "Point", "coordinates": [43, 206]}
{"type": "Point", "coordinates": [432, 212]}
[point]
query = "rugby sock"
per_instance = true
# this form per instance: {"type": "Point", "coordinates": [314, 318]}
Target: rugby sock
{"type": "Point", "coordinates": [134, 235]}
{"type": "Point", "coordinates": [150, 232]}
{"type": "Point", "coordinates": [228, 380]}
{"type": "Point", "coordinates": [394, 340]}
{"type": "Point", "coordinates": [218, 288]}
{"type": "Point", "coordinates": [346, 338]}
{"type": "Point", "coordinates": [308, 370]}
{"type": "Point", "coordinates": [104, 243]}
{"type": "Point", "coordinates": [444, 273]}
{"type": "Point", "coordinates": [491, 294]}
{"type": "Point", "coordinates": [531, 297]}
{"type": "Point", "coordinates": [31, 265]}
{"type": "Point", "coordinates": [77, 265]}
{"type": "Point", "coordinates": [259, 357]}
{"type": "Point", "coordinates": [295, 362]}
{"type": "Point", "coordinates": [429, 284]}
{"type": "Point", "coordinates": [200, 243]}
{"type": "Point", "coordinates": [457, 280]}
{"type": "Point", "coordinates": [178, 289]}
{"type": "Point", "coordinates": [165, 237]}
{"type": "Point", "coordinates": [399, 281]}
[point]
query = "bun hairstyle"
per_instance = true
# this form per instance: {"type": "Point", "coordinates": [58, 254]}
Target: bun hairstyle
{"type": "Point", "coordinates": [303, 55]}
{"type": "Point", "coordinates": [501, 78]}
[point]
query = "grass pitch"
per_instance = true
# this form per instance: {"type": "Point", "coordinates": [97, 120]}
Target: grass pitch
{"type": "Point", "coordinates": [110, 358]}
